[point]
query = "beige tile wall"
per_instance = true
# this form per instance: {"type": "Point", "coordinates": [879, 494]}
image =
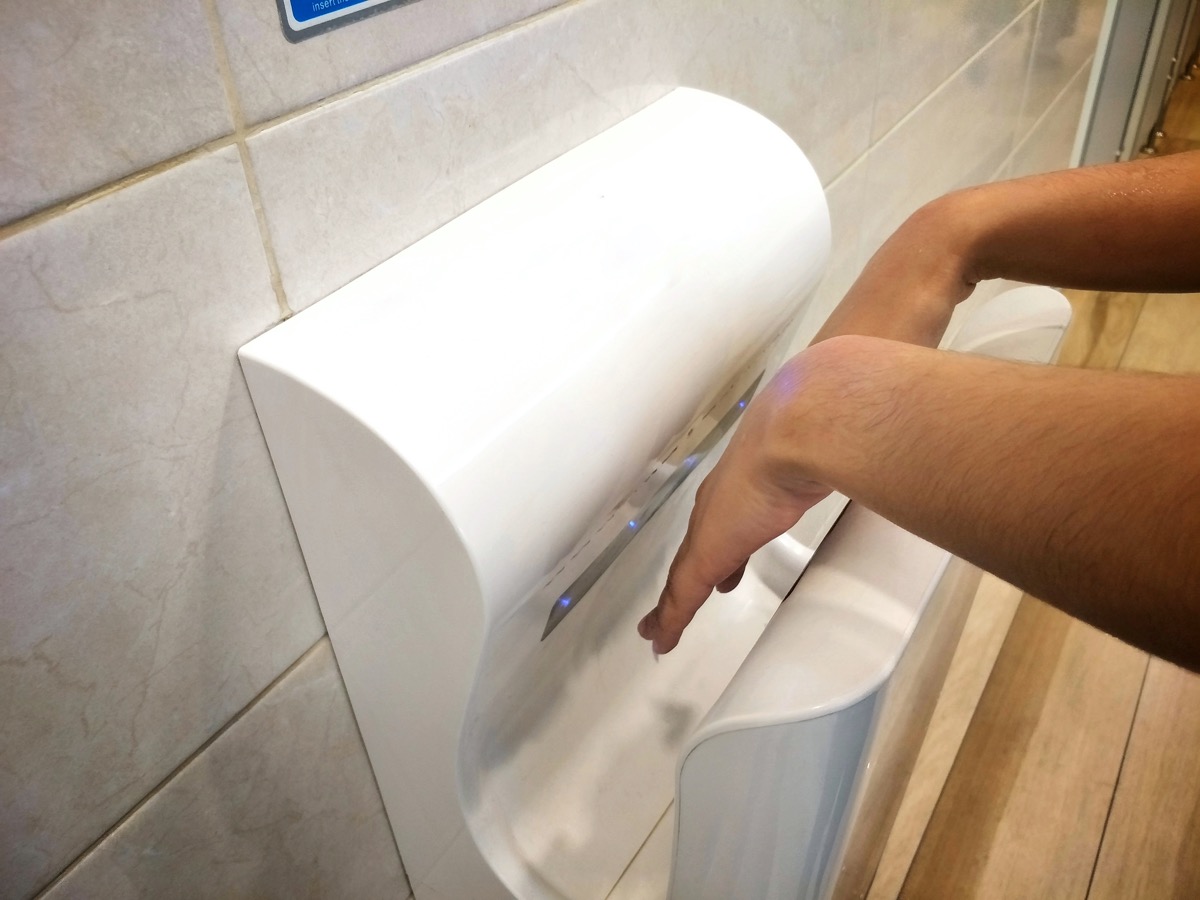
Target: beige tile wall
{"type": "Point", "coordinates": [272, 76]}
{"type": "Point", "coordinates": [151, 583]}
{"type": "Point", "coordinates": [922, 44]}
{"type": "Point", "coordinates": [960, 134]}
{"type": "Point", "coordinates": [89, 95]}
{"type": "Point", "coordinates": [1064, 42]}
{"type": "Point", "coordinates": [282, 804]}
{"type": "Point", "coordinates": [174, 177]}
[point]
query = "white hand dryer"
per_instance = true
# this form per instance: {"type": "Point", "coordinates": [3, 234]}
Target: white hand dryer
{"type": "Point", "coordinates": [489, 446]}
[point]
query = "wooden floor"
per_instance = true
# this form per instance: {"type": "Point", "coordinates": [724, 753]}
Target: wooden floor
{"type": "Point", "coordinates": [1181, 125]}
{"type": "Point", "coordinates": [1062, 763]}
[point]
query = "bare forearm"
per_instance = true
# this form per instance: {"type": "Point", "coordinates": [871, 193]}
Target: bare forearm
{"type": "Point", "coordinates": [1129, 226]}
{"type": "Point", "coordinates": [1082, 489]}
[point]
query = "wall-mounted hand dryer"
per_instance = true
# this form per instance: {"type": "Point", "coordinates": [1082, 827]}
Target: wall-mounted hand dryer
{"type": "Point", "coordinates": [489, 446]}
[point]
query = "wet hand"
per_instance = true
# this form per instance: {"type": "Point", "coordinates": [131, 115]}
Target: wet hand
{"type": "Point", "coordinates": [755, 493]}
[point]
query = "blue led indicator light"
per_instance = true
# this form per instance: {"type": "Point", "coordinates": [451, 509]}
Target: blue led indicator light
{"type": "Point", "coordinates": [741, 404]}
{"type": "Point", "coordinates": [633, 523]}
{"type": "Point", "coordinates": [563, 601]}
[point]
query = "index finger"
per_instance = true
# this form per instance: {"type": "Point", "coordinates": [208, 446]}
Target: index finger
{"type": "Point", "coordinates": [694, 573]}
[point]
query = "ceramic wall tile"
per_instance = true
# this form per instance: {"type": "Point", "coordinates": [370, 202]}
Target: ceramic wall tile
{"type": "Point", "coordinates": [847, 200]}
{"type": "Point", "coordinates": [1067, 33]}
{"type": "Point", "coordinates": [1049, 143]}
{"type": "Point", "coordinates": [961, 135]}
{"type": "Point", "coordinates": [922, 44]}
{"type": "Point", "coordinates": [282, 804]}
{"type": "Point", "coordinates": [417, 151]}
{"type": "Point", "coordinates": [274, 76]}
{"type": "Point", "coordinates": [90, 92]}
{"type": "Point", "coordinates": [808, 66]}
{"type": "Point", "coordinates": [152, 583]}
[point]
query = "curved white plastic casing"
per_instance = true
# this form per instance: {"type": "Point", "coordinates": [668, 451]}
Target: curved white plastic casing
{"type": "Point", "coordinates": [450, 427]}
{"type": "Point", "coordinates": [1026, 325]}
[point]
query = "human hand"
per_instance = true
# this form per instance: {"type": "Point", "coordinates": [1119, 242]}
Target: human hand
{"type": "Point", "coordinates": [760, 487]}
{"type": "Point", "coordinates": [755, 493]}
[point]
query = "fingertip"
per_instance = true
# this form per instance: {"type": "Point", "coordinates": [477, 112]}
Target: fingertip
{"type": "Point", "coordinates": [643, 627]}
{"type": "Point", "coordinates": [651, 628]}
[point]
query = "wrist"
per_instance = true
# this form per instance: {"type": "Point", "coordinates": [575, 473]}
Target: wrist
{"type": "Point", "coordinates": [831, 406]}
{"type": "Point", "coordinates": [958, 224]}
{"type": "Point", "coordinates": [909, 288]}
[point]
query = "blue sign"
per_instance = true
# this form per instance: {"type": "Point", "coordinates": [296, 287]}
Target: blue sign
{"type": "Point", "coordinates": [304, 18]}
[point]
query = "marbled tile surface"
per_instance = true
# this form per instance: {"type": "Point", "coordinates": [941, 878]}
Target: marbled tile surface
{"type": "Point", "coordinates": [281, 805]}
{"type": "Point", "coordinates": [1067, 32]}
{"type": "Point", "coordinates": [921, 45]}
{"type": "Point", "coordinates": [93, 91]}
{"type": "Point", "coordinates": [274, 76]}
{"type": "Point", "coordinates": [1049, 143]}
{"type": "Point", "coordinates": [152, 583]}
{"type": "Point", "coordinates": [961, 135]}
{"type": "Point", "coordinates": [416, 151]}
{"type": "Point", "coordinates": [808, 65]}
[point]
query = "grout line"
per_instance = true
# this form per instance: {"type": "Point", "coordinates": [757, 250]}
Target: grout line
{"type": "Point", "coordinates": [285, 309]}
{"type": "Point", "coordinates": [880, 22]}
{"type": "Point", "coordinates": [1017, 145]}
{"type": "Point", "coordinates": [175, 772]}
{"type": "Point", "coordinates": [928, 98]}
{"type": "Point", "coordinates": [223, 68]}
{"type": "Point", "coordinates": [1025, 92]}
{"type": "Point", "coordinates": [71, 204]}
{"type": "Point", "coordinates": [974, 57]}
{"type": "Point", "coordinates": [413, 69]}
{"type": "Point", "coordinates": [239, 136]}
{"type": "Point", "coordinates": [242, 132]}
{"type": "Point", "coordinates": [1112, 800]}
